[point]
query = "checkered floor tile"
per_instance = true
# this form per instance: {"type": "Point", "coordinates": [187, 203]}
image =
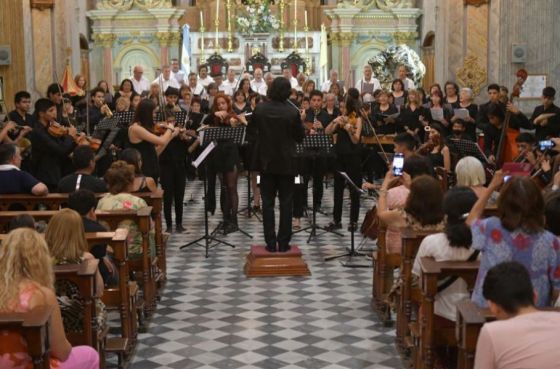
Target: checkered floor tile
{"type": "Point", "coordinates": [212, 316]}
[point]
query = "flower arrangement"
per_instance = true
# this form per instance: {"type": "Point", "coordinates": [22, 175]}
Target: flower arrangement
{"type": "Point", "coordinates": [255, 17]}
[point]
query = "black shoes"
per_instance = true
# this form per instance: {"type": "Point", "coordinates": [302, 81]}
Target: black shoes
{"type": "Point", "coordinates": [332, 226]}
{"type": "Point", "coordinates": [180, 229]}
{"type": "Point", "coordinates": [280, 248]}
{"type": "Point", "coordinates": [270, 249]}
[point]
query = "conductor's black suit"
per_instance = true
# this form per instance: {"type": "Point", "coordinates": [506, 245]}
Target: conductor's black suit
{"type": "Point", "coordinates": [277, 127]}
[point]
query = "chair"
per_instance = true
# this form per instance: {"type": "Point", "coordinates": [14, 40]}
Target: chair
{"type": "Point", "coordinates": [217, 64]}
{"type": "Point", "coordinates": [295, 63]}
{"type": "Point", "coordinates": [258, 60]}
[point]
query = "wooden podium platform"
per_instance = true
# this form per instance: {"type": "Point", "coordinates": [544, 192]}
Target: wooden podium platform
{"type": "Point", "coordinates": [261, 263]}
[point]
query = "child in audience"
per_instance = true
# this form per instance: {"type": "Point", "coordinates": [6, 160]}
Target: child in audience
{"type": "Point", "coordinates": [523, 337]}
{"type": "Point", "coordinates": [451, 245]}
{"type": "Point", "coordinates": [516, 234]}
{"type": "Point", "coordinates": [27, 282]}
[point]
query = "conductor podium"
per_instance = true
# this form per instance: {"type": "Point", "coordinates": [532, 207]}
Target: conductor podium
{"type": "Point", "coordinates": [261, 263]}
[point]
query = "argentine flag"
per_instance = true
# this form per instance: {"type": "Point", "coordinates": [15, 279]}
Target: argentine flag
{"type": "Point", "coordinates": [186, 51]}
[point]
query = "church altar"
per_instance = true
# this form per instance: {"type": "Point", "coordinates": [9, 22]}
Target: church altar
{"type": "Point", "coordinates": [149, 33]}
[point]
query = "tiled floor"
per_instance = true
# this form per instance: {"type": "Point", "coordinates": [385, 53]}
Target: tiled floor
{"type": "Point", "coordinates": [212, 316]}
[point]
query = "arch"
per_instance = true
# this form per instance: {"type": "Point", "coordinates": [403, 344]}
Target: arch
{"type": "Point", "coordinates": [136, 54]}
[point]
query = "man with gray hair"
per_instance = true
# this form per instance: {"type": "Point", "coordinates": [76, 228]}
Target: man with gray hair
{"type": "Point", "coordinates": [368, 84]}
{"type": "Point", "coordinates": [258, 84]}
{"type": "Point", "coordinates": [402, 74]}
{"type": "Point", "coordinates": [165, 79]}
{"type": "Point", "coordinates": [139, 82]}
{"type": "Point", "coordinates": [333, 78]}
{"type": "Point", "coordinates": [268, 78]}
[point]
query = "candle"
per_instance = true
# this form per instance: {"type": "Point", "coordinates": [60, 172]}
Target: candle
{"type": "Point", "coordinates": [295, 9]}
{"type": "Point", "coordinates": [295, 24]}
{"type": "Point", "coordinates": [306, 19]}
{"type": "Point", "coordinates": [201, 20]}
{"type": "Point", "coordinates": [217, 8]}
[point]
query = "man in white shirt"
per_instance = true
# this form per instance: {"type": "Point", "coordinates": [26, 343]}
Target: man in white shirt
{"type": "Point", "coordinates": [301, 78]}
{"type": "Point", "coordinates": [176, 72]}
{"type": "Point", "coordinates": [139, 82]}
{"type": "Point", "coordinates": [402, 75]}
{"type": "Point", "coordinates": [287, 73]}
{"type": "Point", "coordinates": [231, 81]}
{"type": "Point", "coordinates": [165, 80]}
{"type": "Point", "coordinates": [196, 88]}
{"type": "Point", "coordinates": [368, 84]}
{"type": "Point", "coordinates": [333, 78]}
{"type": "Point", "coordinates": [203, 78]}
{"type": "Point", "coordinates": [258, 84]}
{"type": "Point", "coordinates": [218, 80]}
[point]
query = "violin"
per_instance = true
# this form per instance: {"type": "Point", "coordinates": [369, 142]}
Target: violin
{"type": "Point", "coordinates": [160, 128]}
{"type": "Point", "coordinates": [57, 130]}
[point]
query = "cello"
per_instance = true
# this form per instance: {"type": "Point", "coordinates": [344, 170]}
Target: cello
{"type": "Point", "coordinates": [507, 148]}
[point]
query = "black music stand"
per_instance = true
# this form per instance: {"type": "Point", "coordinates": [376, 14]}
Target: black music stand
{"type": "Point", "coordinates": [224, 134]}
{"type": "Point", "coordinates": [314, 146]}
{"type": "Point", "coordinates": [208, 238]}
{"type": "Point", "coordinates": [248, 208]}
{"type": "Point", "coordinates": [110, 125]}
{"type": "Point", "coordinates": [180, 117]}
{"type": "Point", "coordinates": [467, 148]}
{"type": "Point", "coordinates": [350, 252]}
{"type": "Point", "coordinates": [125, 118]}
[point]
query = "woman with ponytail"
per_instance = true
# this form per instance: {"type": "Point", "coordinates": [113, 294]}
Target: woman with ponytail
{"type": "Point", "coordinates": [451, 245]}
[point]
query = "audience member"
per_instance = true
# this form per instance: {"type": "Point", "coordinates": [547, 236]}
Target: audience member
{"type": "Point", "coordinates": [83, 159]}
{"type": "Point", "coordinates": [13, 180]}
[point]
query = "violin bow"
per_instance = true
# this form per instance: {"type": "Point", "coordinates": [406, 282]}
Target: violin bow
{"type": "Point", "coordinates": [363, 113]}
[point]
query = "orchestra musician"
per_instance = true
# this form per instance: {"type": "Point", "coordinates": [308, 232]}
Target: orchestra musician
{"type": "Point", "coordinates": [225, 160]}
{"type": "Point", "coordinates": [54, 94]}
{"type": "Point", "coordinates": [172, 163]}
{"type": "Point", "coordinates": [546, 117]}
{"type": "Point", "coordinates": [97, 109]}
{"type": "Point", "coordinates": [50, 153]}
{"type": "Point", "coordinates": [142, 137]}
{"type": "Point", "coordinates": [348, 128]}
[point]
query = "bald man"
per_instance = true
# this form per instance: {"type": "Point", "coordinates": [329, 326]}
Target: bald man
{"type": "Point", "coordinates": [139, 82]}
{"type": "Point", "coordinates": [368, 84]}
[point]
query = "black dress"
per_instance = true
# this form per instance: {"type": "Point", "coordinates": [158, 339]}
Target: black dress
{"type": "Point", "coordinates": [225, 156]}
{"type": "Point", "coordinates": [379, 116]}
{"type": "Point", "coordinates": [150, 164]}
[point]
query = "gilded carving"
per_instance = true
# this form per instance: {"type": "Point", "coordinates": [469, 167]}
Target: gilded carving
{"type": "Point", "coordinates": [365, 5]}
{"type": "Point", "coordinates": [405, 37]}
{"type": "Point", "coordinates": [476, 2]}
{"type": "Point", "coordinates": [472, 74]}
{"type": "Point", "coordinates": [343, 38]}
{"type": "Point", "coordinates": [104, 39]}
{"type": "Point", "coordinates": [167, 38]}
{"type": "Point", "coordinates": [128, 4]}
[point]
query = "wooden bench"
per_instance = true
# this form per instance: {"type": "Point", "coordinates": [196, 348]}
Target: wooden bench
{"type": "Point", "coordinates": [113, 219]}
{"type": "Point", "coordinates": [34, 328]}
{"type": "Point", "coordinates": [55, 201]}
{"type": "Point", "coordinates": [82, 277]}
{"type": "Point", "coordinates": [384, 265]}
{"type": "Point", "coordinates": [428, 335]}
{"type": "Point", "coordinates": [410, 243]}
{"type": "Point", "coordinates": [470, 319]}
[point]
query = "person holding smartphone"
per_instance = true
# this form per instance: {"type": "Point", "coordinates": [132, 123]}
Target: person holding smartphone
{"type": "Point", "coordinates": [348, 128]}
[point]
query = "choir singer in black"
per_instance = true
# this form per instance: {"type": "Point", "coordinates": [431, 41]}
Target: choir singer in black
{"type": "Point", "coordinates": [277, 126]}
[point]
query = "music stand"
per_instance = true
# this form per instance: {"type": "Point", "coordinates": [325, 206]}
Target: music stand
{"type": "Point", "coordinates": [125, 118]}
{"type": "Point", "coordinates": [180, 117]}
{"type": "Point", "coordinates": [224, 134]}
{"type": "Point", "coordinates": [100, 131]}
{"type": "Point", "coordinates": [248, 208]}
{"type": "Point", "coordinates": [208, 238]}
{"type": "Point", "coordinates": [350, 252]}
{"type": "Point", "coordinates": [314, 146]}
{"type": "Point", "coordinates": [467, 148]}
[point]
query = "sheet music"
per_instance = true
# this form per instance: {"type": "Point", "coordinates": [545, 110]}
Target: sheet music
{"type": "Point", "coordinates": [437, 114]}
{"type": "Point", "coordinates": [352, 184]}
{"type": "Point", "coordinates": [204, 154]}
{"type": "Point", "coordinates": [461, 114]}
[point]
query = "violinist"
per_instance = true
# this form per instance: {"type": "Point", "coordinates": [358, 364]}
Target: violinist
{"type": "Point", "coordinates": [348, 128]}
{"type": "Point", "coordinates": [23, 124]}
{"type": "Point", "coordinates": [435, 148]}
{"type": "Point", "coordinates": [20, 115]}
{"type": "Point", "coordinates": [546, 117]}
{"type": "Point", "coordinates": [97, 109]}
{"type": "Point", "coordinates": [142, 137]}
{"type": "Point", "coordinates": [225, 159]}
{"type": "Point", "coordinates": [173, 170]}
{"type": "Point", "coordinates": [529, 152]}
{"type": "Point", "coordinates": [54, 94]}
{"type": "Point", "coordinates": [50, 153]}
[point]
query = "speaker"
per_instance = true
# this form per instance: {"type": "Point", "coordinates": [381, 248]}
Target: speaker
{"type": "Point", "coordinates": [5, 55]}
{"type": "Point", "coordinates": [519, 53]}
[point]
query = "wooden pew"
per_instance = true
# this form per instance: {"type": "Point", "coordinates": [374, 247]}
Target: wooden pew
{"type": "Point", "coordinates": [410, 243]}
{"type": "Point", "coordinates": [82, 276]}
{"type": "Point", "coordinates": [55, 201]}
{"type": "Point", "coordinates": [113, 219]}
{"type": "Point", "coordinates": [429, 335]}
{"type": "Point", "coordinates": [384, 265]}
{"type": "Point", "coordinates": [34, 328]}
{"type": "Point", "coordinates": [470, 319]}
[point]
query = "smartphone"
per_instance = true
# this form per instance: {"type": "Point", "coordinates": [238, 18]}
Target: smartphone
{"type": "Point", "coordinates": [398, 164]}
{"type": "Point", "coordinates": [506, 178]}
{"type": "Point", "coordinates": [546, 145]}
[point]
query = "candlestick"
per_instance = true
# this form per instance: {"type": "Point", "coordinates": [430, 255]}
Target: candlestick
{"type": "Point", "coordinates": [281, 41]}
{"type": "Point", "coordinates": [202, 57]}
{"type": "Point", "coordinates": [217, 24]}
{"type": "Point", "coordinates": [230, 34]}
{"type": "Point", "coordinates": [305, 18]}
{"type": "Point", "coordinates": [295, 24]}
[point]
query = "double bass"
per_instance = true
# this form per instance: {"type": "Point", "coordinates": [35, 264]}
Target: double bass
{"type": "Point", "coordinates": [507, 148]}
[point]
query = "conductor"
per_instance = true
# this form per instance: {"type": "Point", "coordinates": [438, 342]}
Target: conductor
{"type": "Point", "coordinates": [277, 127]}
